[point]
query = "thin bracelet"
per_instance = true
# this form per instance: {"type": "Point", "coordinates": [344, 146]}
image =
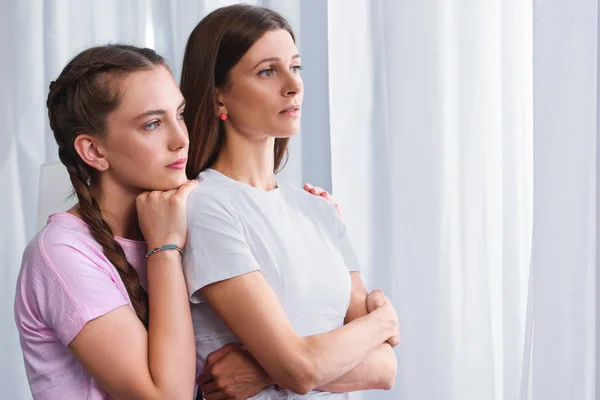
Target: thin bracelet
{"type": "Point", "coordinates": [163, 248]}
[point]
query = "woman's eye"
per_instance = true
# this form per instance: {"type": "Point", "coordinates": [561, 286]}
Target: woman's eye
{"type": "Point", "coordinates": [296, 68]}
{"type": "Point", "coordinates": [266, 72]}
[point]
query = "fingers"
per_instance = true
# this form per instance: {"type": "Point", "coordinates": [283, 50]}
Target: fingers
{"type": "Point", "coordinates": [204, 377]}
{"type": "Point", "coordinates": [219, 354]}
{"type": "Point", "coordinates": [317, 191]}
{"type": "Point", "coordinates": [215, 390]}
{"type": "Point", "coordinates": [394, 341]}
{"type": "Point", "coordinates": [380, 297]}
{"type": "Point", "coordinates": [375, 299]}
{"type": "Point", "coordinates": [212, 359]}
{"type": "Point", "coordinates": [209, 387]}
{"type": "Point", "coordinates": [156, 195]}
{"type": "Point", "coordinates": [184, 190]}
{"type": "Point", "coordinates": [325, 194]}
{"type": "Point", "coordinates": [216, 396]}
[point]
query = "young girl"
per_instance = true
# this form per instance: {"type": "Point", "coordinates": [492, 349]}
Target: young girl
{"type": "Point", "coordinates": [266, 264]}
{"type": "Point", "coordinates": [81, 306]}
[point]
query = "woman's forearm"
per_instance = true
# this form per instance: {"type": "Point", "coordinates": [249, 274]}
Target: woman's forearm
{"type": "Point", "coordinates": [377, 371]}
{"type": "Point", "coordinates": [235, 365]}
{"type": "Point", "coordinates": [171, 345]}
{"type": "Point", "coordinates": [331, 355]}
{"type": "Point", "coordinates": [250, 308]}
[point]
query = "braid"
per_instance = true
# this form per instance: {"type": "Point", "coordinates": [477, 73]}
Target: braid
{"type": "Point", "coordinates": [78, 102]}
{"type": "Point", "coordinates": [101, 231]}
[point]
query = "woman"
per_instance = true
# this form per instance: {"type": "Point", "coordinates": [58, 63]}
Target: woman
{"type": "Point", "coordinates": [85, 290]}
{"type": "Point", "coordinates": [268, 265]}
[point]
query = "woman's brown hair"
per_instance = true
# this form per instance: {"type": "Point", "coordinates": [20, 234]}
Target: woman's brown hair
{"type": "Point", "coordinates": [80, 99]}
{"type": "Point", "coordinates": [217, 43]}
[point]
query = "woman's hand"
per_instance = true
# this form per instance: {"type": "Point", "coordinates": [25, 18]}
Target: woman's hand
{"type": "Point", "coordinates": [162, 216]}
{"type": "Point", "coordinates": [376, 300]}
{"type": "Point", "coordinates": [317, 191]}
{"type": "Point", "coordinates": [232, 373]}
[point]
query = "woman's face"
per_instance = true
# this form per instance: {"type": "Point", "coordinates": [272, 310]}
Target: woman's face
{"type": "Point", "coordinates": [146, 146]}
{"type": "Point", "coordinates": [263, 96]}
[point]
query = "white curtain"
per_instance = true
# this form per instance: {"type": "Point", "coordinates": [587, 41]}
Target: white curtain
{"type": "Point", "coordinates": [431, 125]}
{"type": "Point", "coordinates": [449, 131]}
{"type": "Point", "coordinates": [565, 200]}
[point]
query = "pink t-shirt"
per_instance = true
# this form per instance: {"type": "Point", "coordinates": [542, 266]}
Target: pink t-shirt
{"type": "Point", "coordinates": [66, 281]}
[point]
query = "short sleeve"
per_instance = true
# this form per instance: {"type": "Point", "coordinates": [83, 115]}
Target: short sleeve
{"type": "Point", "coordinates": [71, 285]}
{"type": "Point", "coordinates": [216, 248]}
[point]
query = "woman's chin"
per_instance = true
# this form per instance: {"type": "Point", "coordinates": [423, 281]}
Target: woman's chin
{"type": "Point", "coordinates": [288, 132]}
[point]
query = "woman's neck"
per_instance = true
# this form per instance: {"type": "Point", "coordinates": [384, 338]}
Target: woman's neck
{"type": "Point", "coordinates": [249, 162]}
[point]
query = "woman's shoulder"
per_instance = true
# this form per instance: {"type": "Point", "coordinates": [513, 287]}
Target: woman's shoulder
{"type": "Point", "coordinates": [210, 194]}
{"type": "Point", "coordinates": [304, 199]}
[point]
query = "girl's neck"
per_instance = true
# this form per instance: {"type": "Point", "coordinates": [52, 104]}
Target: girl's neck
{"type": "Point", "coordinates": [117, 206]}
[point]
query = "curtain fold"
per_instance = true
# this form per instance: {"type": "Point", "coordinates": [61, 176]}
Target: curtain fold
{"type": "Point", "coordinates": [431, 125]}
{"type": "Point", "coordinates": [565, 199]}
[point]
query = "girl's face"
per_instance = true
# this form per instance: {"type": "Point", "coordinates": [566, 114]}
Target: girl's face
{"type": "Point", "coordinates": [146, 144]}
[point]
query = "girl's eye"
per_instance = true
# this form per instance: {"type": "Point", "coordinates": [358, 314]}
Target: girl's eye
{"type": "Point", "coordinates": [152, 125]}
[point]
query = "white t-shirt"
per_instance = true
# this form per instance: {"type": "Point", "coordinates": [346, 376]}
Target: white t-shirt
{"type": "Point", "coordinates": [294, 238]}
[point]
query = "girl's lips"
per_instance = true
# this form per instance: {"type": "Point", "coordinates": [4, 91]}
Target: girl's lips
{"type": "Point", "coordinates": [179, 164]}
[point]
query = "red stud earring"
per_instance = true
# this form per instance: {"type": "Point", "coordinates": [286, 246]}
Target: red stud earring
{"type": "Point", "coordinates": [223, 116]}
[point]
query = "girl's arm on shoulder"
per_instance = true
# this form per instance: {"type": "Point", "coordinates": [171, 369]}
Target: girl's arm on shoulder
{"type": "Point", "coordinates": [115, 348]}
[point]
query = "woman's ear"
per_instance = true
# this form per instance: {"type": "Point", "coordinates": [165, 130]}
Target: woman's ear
{"type": "Point", "coordinates": [220, 107]}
